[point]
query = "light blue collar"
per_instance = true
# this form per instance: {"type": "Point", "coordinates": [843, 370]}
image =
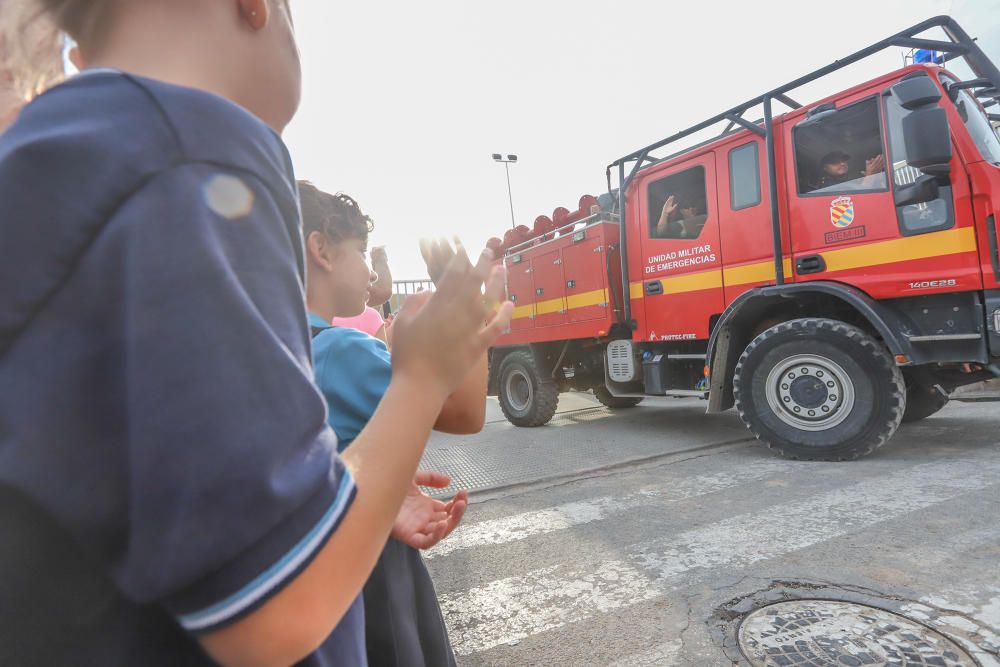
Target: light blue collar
{"type": "Point", "coordinates": [317, 321]}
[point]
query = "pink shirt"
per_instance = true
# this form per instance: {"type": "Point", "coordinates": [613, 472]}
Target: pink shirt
{"type": "Point", "coordinates": [369, 321]}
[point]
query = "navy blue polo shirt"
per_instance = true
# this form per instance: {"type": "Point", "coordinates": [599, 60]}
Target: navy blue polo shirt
{"type": "Point", "coordinates": [165, 462]}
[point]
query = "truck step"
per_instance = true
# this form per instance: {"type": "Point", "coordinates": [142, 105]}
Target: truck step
{"type": "Point", "coordinates": [687, 393]}
{"type": "Point", "coordinates": [943, 337]}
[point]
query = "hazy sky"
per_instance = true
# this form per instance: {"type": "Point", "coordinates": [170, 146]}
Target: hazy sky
{"type": "Point", "coordinates": [404, 102]}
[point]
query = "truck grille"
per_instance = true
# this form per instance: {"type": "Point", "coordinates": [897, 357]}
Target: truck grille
{"type": "Point", "coordinates": [621, 361]}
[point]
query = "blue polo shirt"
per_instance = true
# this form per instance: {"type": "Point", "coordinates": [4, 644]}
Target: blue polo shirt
{"type": "Point", "coordinates": [353, 371]}
{"type": "Point", "coordinates": [165, 463]}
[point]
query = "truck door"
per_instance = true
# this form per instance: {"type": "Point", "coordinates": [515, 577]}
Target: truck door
{"type": "Point", "coordinates": [520, 290]}
{"type": "Point", "coordinates": [584, 277]}
{"type": "Point", "coordinates": [979, 146]}
{"type": "Point", "coordinates": [745, 216]}
{"type": "Point", "coordinates": [547, 277]}
{"type": "Point", "coordinates": [848, 162]}
{"type": "Point", "coordinates": [681, 259]}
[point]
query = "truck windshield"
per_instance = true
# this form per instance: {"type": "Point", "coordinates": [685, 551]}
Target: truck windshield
{"type": "Point", "coordinates": [977, 123]}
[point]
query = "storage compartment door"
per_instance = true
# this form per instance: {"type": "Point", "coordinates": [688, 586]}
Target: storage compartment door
{"type": "Point", "coordinates": [549, 295]}
{"type": "Point", "coordinates": [521, 291]}
{"type": "Point", "coordinates": [586, 276]}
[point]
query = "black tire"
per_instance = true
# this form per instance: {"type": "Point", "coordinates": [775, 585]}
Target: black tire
{"type": "Point", "coordinates": [615, 402]}
{"type": "Point", "coordinates": [527, 396]}
{"type": "Point", "coordinates": [922, 401]}
{"type": "Point", "coordinates": [819, 389]}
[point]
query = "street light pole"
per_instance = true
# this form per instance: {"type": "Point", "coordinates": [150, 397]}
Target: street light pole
{"type": "Point", "coordinates": [497, 157]}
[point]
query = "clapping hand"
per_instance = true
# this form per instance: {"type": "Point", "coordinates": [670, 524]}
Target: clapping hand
{"type": "Point", "coordinates": [423, 521]}
{"type": "Point", "coordinates": [439, 336]}
{"type": "Point", "coordinates": [436, 256]}
{"type": "Point", "coordinates": [875, 165]}
{"type": "Point", "coordinates": [378, 255]}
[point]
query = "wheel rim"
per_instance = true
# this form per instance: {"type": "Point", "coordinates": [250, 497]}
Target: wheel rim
{"type": "Point", "coordinates": [810, 392]}
{"type": "Point", "coordinates": [519, 391]}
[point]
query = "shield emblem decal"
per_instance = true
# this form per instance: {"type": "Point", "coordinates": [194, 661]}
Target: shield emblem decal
{"type": "Point", "coordinates": [842, 212]}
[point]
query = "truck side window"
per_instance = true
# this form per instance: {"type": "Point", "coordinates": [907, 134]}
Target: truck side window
{"type": "Point", "coordinates": [839, 151]}
{"type": "Point", "coordinates": [744, 176]}
{"type": "Point", "coordinates": [931, 216]}
{"type": "Point", "coordinates": [678, 206]}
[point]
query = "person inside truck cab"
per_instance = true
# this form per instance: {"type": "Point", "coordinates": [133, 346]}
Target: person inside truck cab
{"type": "Point", "coordinates": [680, 219]}
{"type": "Point", "coordinates": [835, 170]}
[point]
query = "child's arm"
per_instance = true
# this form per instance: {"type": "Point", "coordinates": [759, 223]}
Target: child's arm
{"type": "Point", "coordinates": [429, 362]}
{"type": "Point", "coordinates": [465, 411]}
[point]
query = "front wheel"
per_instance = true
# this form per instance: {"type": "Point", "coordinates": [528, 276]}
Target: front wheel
{"type": "Point", "coordinates": [615, 402]}
{"type": "Point", "coordinates": [527, 396]}
{"type": "Point", "coordinates": [819, 389]}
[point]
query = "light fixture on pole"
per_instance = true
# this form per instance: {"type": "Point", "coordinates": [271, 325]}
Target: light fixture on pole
{"type": "Point", "coordinates": [497, 157]}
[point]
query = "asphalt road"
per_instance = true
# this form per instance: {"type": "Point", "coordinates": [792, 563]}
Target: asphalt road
{"type": "Point", "coordinates": [643, 537]}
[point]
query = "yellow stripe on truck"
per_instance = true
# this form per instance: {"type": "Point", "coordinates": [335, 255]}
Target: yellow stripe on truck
{"type": "Point", "coordinates": [585, 299]}
{"type": "Point", "coordinates": [691, 282]}
{"type": "Point", "coordinates": [937, 244]}
{"type": "Point", "coordinates": [907, 249]}
{"type": "Point", "coordinates": [592, 298]}
{"type": "Point", "coordinates": [524, 311]}
{"type": "Point", "coordinates": [550, 306]}
{"type": "Point", "coordinates": [760, 272]}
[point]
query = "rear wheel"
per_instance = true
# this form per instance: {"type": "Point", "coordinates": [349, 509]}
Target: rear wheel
{"type": "Point", "coordinates": [922, 401]}
{"type": "Point", "coordinates": [615, 402]}
{"type": "Point", "coordinates": [819, 389]}
{"type": "Point", "coordinates": [527, 396]}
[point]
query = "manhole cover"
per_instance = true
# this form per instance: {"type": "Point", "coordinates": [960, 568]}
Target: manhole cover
{"type": "Point", "coordinates": [822, 632]}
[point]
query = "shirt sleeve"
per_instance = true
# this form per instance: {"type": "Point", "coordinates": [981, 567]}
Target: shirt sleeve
{"type": "Point", "coordinates": [353, 371]}
{"type": "Point", "coordinates": [233, 479]}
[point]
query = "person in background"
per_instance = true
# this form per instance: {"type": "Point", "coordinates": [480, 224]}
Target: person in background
{"type": "Point", "coordinates": [381, 290]}
{"type": "Point", "coordinates": [388, 328]}
{"type": "Point", "coordinates": [173, 495]}
{"type": "Point", "coordinates": [403, 621]}
{"type": "Point", "coordinates": [31, 56]}
{"type": "Point", "coordinates": [369, 321]}
{"type": "Point", "coordinates": [679, 219]}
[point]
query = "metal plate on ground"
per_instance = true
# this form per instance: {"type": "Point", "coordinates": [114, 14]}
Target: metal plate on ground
{"type": "Point", "coordinates": [584, 436]}
{"type": "Point", "coordinates": [825, 632]}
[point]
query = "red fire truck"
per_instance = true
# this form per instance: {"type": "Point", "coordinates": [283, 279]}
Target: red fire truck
{"type": "Point", "coordinates": [829, 271]}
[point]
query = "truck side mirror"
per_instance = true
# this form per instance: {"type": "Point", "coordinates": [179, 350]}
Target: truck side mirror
{"type": "Point", "coordinates": [922, 190]}
{"type": "Point", "coordinates": [916, 92]}
{"type": "Point", "coordinates": [927, 138]}
{"type": "Point", "coordinates": [817, 114]}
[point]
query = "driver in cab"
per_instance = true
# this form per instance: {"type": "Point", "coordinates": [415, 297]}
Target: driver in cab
{"type": "Point", "coordinates": [835, 170]}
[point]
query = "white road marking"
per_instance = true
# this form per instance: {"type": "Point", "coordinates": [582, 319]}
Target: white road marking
{"type": "Point", "coordinates": [515, 608]}
{"type": "Point", "coordinates": [969, 614]}
{"type": "Point", "coordinates": [526, 524]}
